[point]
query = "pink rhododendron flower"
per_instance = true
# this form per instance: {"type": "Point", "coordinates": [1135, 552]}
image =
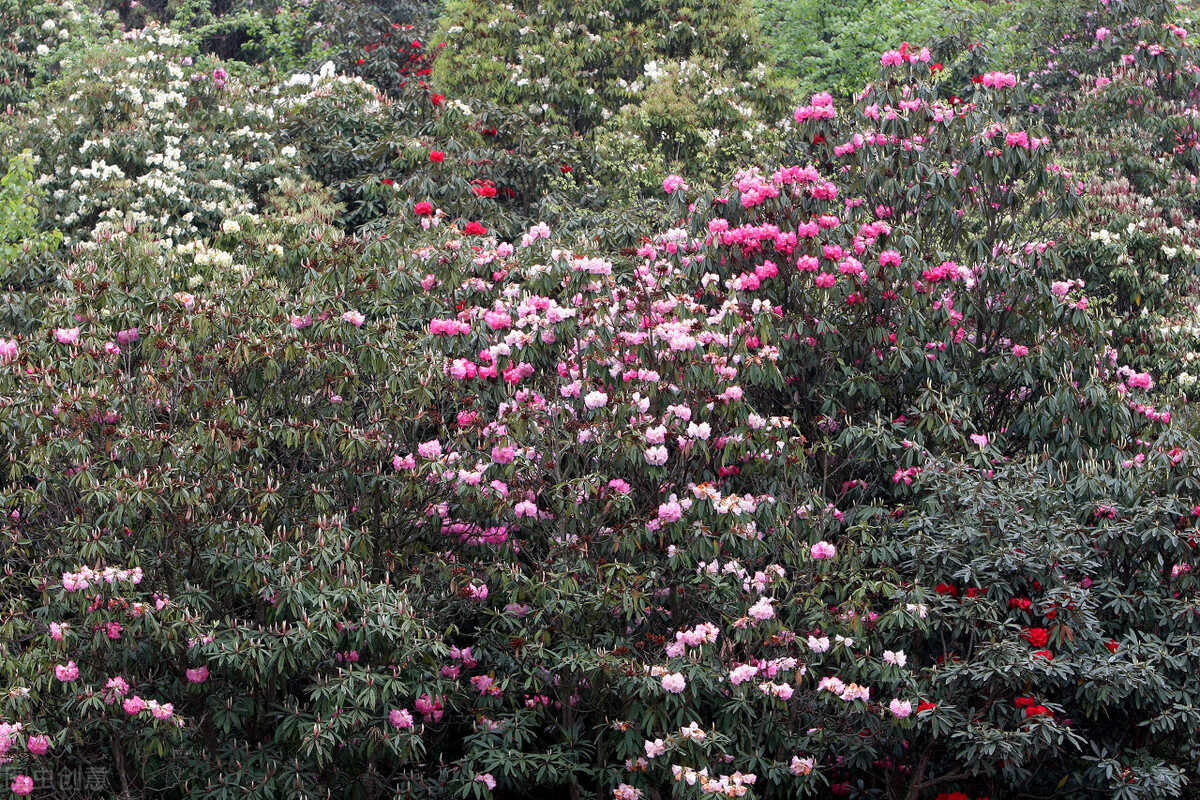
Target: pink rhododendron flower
{"type": "Point", "coordinates": [67, 335]}
{"type": "Point", "coordinates": [22, 785]}
{"type": "Point", "coordinates": [160, 712]}
{"type": "Point", "coordinates": [900, 708]}
{"type": "Point", "coordinates": [66, 673]}
{"type": "Point", "coordinates": [762, 610]}
{"type": "Point", "coordinates": [802, 766]}
{"type": "Point", "coordinates": [115, 689]}
{"type": "Point", "coordinates": [823, 550]}
{"type": "Point", "coordinates": [197, 675]}
{"type": "Point", "coordinates": [429, 708]}
{"type": "Point", "coordinates": [595, 400]}
{"type": "Point", "coordinates": [38, 745]}
{"type": "Point", "coordinates": [674, 182]}
{"type": "Point", "coordinates": [670, 512]}
{"type": "Point", "coordinates": [656, 456]}
{"type": "Point", "coordinates": [674, 682]}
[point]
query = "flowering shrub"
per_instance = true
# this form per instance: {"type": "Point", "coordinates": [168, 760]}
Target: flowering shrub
{"type": "Point", "coordinates": [834, 485]}
{"type": "Point", "coordinates": [835, 48]}
{"type": "Point", "coordinates": [150, 137]}
{"type": "Point", "coordinates": [680, 86]}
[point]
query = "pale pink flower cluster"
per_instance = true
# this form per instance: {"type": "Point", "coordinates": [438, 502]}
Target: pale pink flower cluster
{"type": "Point", "coordinates": [86, 577]}
{"type": "Point", "coordinates": [539, 231]}
{"type": "Point", "coordinates": [801, 766]}
{"type": "Point", "coordinates": [8, 736]}
{"type": "Point", "coordinates": [762, 610]}
{"type": "Point", "coordinates": [67, 335]}
{"type": "Point", "coordinates": [823, 550]}
{"type": "Point", "coordinates": [448, 327]}
{"type": "Point", "coordinates": [741, 674]}
{"type": "Point", "coordinates": [846, 691]}
{"type": "Point", "coordinates": [781, 690]}
{"type": "Point", "coordinates": [674, 682]}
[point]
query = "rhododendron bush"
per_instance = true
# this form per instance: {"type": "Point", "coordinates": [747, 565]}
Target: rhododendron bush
{"type": "Point", "coordinates": [837, 484]}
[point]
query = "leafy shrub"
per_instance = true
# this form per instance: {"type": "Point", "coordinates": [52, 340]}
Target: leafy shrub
{"type": "Point", "coordinates": [834, 47]}
{"type": "Point", "coordinates": [334, 474]}
{"type": "Point", "coordinates": [472, 516]}
{"type": "Point", "coordinates": [682, 79]}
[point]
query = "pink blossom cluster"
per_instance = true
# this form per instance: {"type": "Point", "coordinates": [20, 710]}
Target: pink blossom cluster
{"type": "Point", "coordinates": [86, 577]}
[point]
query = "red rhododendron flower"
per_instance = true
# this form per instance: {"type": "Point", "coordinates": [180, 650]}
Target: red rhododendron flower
{"type": "Point", "coordinates": [437, 156]}
{"type": "Point", "coordinates": [947, 589]}
{"type": "Point", "coordinates": [437, 99]}
{"type": "Point", "coordinates": [925, 706]}
{"type": "Point", "coordinates": [474, 228]}
{"type": "Point", "coordinates": [1038, 637]}
{"type": "Point", "coordinates": [423, 209]}
{"type": "Point", "coordinates": [484, 189]}
{"type": "Point", "coordinates": [1112, 646]}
